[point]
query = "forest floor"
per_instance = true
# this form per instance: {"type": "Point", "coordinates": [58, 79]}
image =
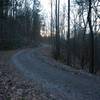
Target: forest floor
{"type": "Point", "coordinates": [13, 86]}
{"type": "Point", "coordinates": [32, 74]}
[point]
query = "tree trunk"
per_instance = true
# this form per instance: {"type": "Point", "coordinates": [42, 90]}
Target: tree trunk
{"type": "Point", "coordinates": [68, 36]}
{"type": "Point", "coordinates": [51, 23]}
{"type": "Point", "coordinates": [57, 31]}
{"type": "Point", "coordinates": [91, 67]}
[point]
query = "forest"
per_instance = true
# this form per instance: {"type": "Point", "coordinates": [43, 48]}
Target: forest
{"type": "Point", "coordinates": [74, 35]}
{"type": "Point", "coordinates": [49, 49]}
{"type": "Point", "coordinates": [78, 45]}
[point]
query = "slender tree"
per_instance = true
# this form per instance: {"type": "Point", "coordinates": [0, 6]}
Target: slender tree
{"type": "Point", "coordinates": [68, 36]}
{"type": "Point", "coordinates": [91, 67]}
{"type": "Point", "coordinates": [36, 20]}
{"type": "Point", "coordinates": [51, 22]}
{"type": "Point", "coordinates": [57, 30]}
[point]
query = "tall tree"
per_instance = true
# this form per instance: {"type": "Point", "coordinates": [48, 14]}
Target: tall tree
{"type": "Point", "coordinates": [57, 30]}
{"type": "Point", "coordinates": [91, 67]}
{"type": "Point", "coordinates": [1, 8]}
{"type": "Point", "coordinates": [68, 36]}
{"type": "Point", "coordinates": [51, 21]}
{"type": "Point", "coordinates": [36, 20]}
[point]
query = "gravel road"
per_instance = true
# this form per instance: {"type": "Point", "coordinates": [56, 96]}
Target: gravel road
{"type": "Point", "coordinates": [63, 85]}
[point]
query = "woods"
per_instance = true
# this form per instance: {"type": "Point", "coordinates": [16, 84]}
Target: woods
{"type": "Point", "coordinates": [80, 29]}
{"type": "Point", "coordinates": [19, 24]}
{"type": "Point", "coordinates": [49, 49]}
{"type": "Point", "coordinates": [72, 27]}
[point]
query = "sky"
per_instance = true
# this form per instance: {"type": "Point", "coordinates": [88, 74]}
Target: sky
{"type": "Point", "coordinates": [46, 9]}
{"type": "Point", "coordinates": [45, 6]}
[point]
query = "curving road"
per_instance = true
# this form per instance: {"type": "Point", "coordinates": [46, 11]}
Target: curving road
{"type": "Point", "coordinates": [64, 85]}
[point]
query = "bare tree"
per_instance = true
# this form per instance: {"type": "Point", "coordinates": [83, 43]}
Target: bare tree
{"type": "Point", "coordinates": [57, 30]}
{"type": "Point", "coordinates": [51, 21]}
{"type": "Point", "coordinates": [68, 36]}
{"type": "Point", "coordinates": [91, 67]}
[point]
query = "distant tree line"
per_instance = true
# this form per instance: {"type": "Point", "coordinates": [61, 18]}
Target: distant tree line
{"type": "Point", "coordinates": [19, 23]}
